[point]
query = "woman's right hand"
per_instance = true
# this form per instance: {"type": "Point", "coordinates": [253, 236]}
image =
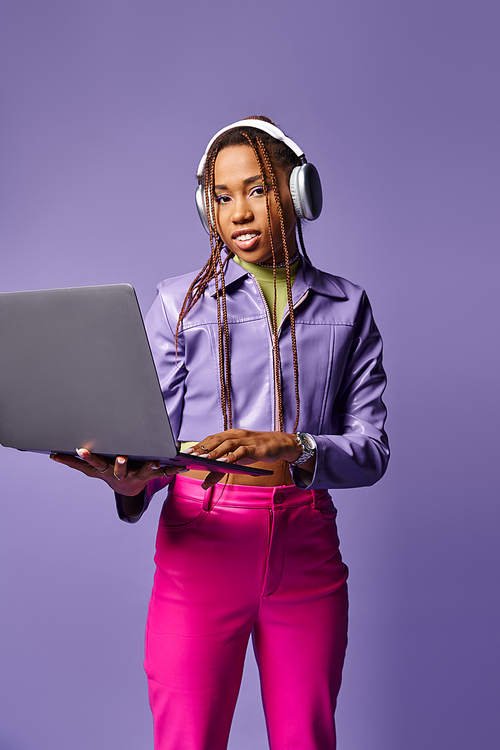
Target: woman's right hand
{"type": "Point", "coordinates": [118, 475]}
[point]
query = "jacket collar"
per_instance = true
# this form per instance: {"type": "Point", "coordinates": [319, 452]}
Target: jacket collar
{"type": "Point", "coordinates": [308, 277]}
{"type": "Point", "coordinates": [233, 273]}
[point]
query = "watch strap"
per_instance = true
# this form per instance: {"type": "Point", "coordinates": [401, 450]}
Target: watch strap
{"type": "Point", "coordinates": [308, 445]}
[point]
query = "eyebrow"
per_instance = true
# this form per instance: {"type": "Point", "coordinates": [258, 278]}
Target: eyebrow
{"type": "Point", "coordinates": [247, 181]}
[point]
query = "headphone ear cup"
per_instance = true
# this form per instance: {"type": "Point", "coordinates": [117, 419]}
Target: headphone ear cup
{"type": "Point", "coordinates": [306, 192]}
{"type": "Point", "coordinates": [200, 205]}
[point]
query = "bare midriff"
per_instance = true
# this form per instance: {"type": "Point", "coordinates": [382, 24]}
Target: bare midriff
{"type": "Point", "coordinates": [280, 476]}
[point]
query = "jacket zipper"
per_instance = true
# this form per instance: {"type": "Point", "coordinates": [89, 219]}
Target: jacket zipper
{"type": "Point", "coordinates": [295, 306]}
{"type": "Point", "coordinates": [270, 325]}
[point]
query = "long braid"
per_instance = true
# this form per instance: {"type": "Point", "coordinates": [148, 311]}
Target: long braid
{"type": "Point", "coordinates": [288, 284]}
{"type": "Point", "coordinates": [224, 354]}
{"type": "Point", "coordinates": [276, 351]}
{"type": "Point", "coordinates": [301, 239]}
{"type": "Point", "coordinates": [191, 298]}
{"type": "Point", "coordinates": [214, 270]}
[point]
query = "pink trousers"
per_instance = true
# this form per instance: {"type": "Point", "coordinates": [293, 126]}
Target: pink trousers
{"type": "Point", "coordinates": [236, 561]}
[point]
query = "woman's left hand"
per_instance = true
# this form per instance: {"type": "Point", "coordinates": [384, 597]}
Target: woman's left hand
{"type": "Point", "coordinates": [246, 447]}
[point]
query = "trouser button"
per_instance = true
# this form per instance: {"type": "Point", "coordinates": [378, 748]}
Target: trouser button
{"type": "Point", "coordinates": [278, 498]}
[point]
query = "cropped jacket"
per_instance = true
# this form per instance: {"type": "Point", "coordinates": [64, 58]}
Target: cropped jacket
{"type": "Point", "coordinates": [341, 378]}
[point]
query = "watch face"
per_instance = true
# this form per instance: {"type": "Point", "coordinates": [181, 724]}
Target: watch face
{"type": "Point", "coordinates": [308, 442]}
{"type": "Point", "coordinates": [308, 446]}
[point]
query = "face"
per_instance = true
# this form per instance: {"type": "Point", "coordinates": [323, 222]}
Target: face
{"type": "Point", "coordinates": [240, 207]}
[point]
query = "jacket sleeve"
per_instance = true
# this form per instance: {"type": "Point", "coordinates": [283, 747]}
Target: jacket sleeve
{"type": "Point", "coordinates": [171, 374]}
{"type": "Point", "coordinates": [358, 455]}
{"type": "Point", "coordinates": [145, 497]}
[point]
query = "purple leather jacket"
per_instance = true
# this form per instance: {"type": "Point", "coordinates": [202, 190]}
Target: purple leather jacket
{"type": "Point", "coordinates": [341, 378]}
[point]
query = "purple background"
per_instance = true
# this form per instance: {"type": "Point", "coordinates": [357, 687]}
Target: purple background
{"type": "Point", "coordinates": [107, 107]}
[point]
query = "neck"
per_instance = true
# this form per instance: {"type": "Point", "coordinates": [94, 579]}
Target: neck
{"type": "Point", "coordinates": [282, 264]}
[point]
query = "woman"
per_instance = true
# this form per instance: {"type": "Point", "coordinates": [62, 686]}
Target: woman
{"type": "Point", "coordinates": [262, 360]}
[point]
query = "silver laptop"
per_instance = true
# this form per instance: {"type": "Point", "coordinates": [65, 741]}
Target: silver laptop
{"type": "Point", "coordinates": [76, 371]}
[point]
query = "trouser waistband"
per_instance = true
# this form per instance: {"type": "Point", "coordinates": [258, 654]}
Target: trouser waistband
{"type": "Point", "coordinates": [245, 496]}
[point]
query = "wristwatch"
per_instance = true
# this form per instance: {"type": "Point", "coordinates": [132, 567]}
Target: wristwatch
{"type": "Point", "coordinates": [308, 446]}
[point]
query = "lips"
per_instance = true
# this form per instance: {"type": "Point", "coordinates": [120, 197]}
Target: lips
{"type": "Point", "coordinates": [246, 239]}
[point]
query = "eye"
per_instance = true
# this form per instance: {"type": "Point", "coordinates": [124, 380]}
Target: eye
{"type": "Point", "coordinates": [259, 190]}
{"type": "Point", "coordinates": [222, 199]}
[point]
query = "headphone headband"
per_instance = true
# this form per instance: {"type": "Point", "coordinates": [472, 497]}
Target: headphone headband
{"type": "Point", "coordinates": [266, 127]}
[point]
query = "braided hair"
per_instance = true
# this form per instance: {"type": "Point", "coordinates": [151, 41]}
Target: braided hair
{"type": "Point", "coordinates": [269, 154]}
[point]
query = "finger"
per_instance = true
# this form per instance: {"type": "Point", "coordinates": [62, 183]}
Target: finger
{"type": "Point", "coordinates": [212, 479]}
{"type": "Point", "coordinates": [201, 449]}
{"type": "Point", "coordinates": [120, 469]}
{"type": "Point", "coordinates": [155, 470]}
{"type": "Point", "coordinates": [210, 443]}
{"type": "Point", "coordinates": [98, 463]}
{"type": "Point", "coordinates": [73, 462]}
{"type": "Point", "coordinates": [148, 470]}
{"type": "Point", "coordinates": [168, 471]}
{"type": "Point", "coordinates": [224, 448]}
{"type": "Point", "coordinates": [238, 454]}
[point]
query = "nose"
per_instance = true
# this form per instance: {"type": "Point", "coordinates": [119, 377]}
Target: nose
{"type": "Point", "coordinates": [242, 211]}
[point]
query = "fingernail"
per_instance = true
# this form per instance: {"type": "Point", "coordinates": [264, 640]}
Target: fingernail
{"type": "Point", "coordinates": [52, 456]}
{"type": "Point", "coordinates": [221, 459]}
{"type": "Point", "coordinates": [188, 451]}
{"type": "Point", "coordinates": [202, 455]}
{"type": "Point", "coordinates": [81, 451]}
{"type": "Point", "coordinates": [121, 460]}
{"type": "Point", "coordinates": [154, 466]}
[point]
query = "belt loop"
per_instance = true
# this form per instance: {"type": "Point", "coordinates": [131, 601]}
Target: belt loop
{"type": "Point", "coordinates": [315, 496]}
{"type": "Point", "coordinates": [207, 498]}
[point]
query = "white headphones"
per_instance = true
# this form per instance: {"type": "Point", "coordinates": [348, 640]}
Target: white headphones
{"type": "Point", "coordinates": [305, 185]}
